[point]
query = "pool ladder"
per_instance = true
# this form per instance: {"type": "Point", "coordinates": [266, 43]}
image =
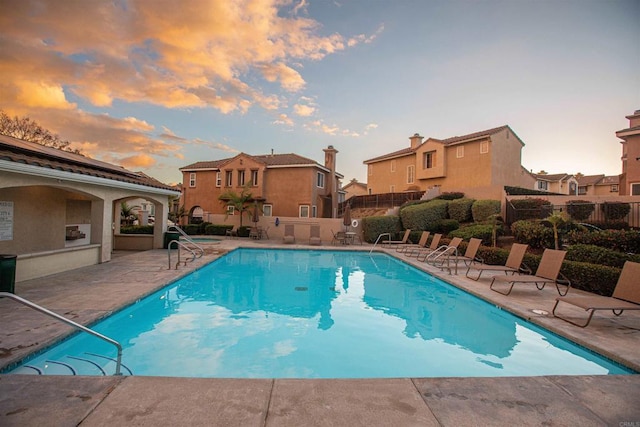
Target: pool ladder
{"type": "Point", "coordinates": [63, 319]}
{"type": "Point", "coordinates": [190, 246]}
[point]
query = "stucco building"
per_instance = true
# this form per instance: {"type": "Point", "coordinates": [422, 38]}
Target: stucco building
{"type": "Point", "coordinates": [479, 164]}
{"type": "Point", "coordinates": [598, 185]}
{"type": "Point", "coordinates": [288, 185]}
{"type": "Point", "coordinates": [558, 183]}
{"type": "Point", "coordinates": [630, 177]}
{"type": "Point", "coordinates": [354, 188]}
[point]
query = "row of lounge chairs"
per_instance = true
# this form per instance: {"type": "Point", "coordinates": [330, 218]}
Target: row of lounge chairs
{"type": "Point", "coordinates": [626, 295]}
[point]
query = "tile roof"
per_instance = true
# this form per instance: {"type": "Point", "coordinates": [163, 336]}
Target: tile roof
{"type": "Point", "coordinates": [288, 159]}
{"type": "Point", "coordinates": [488, 132]}
{"type": "Point", "coordinates": [589, 179]}
{"type": "Point", "coordinates": [551, 177]}
{"type": "Point", "coordinates": [608, 180]}
{"type": "Point", "coordinates": [33, 154]}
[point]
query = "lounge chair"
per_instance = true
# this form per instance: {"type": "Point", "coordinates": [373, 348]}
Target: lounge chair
{"type": "Point", "coordinates": [513, 264]}
{"type": "Point", "coordinates": [469, 256]}
{"type": "Point", "coordinates": [547, 272]}
{"type": "Point", "coordinates": [626, 296]}
{"type": "Point", "coordinates": [404, 240]}
{"type": "Point", "coordinates": [314, 235]}
{"type": "Point", "coordinates": [289, 234]}
{"type": "Point", "coordinates": [424, 238]}
{"type": "Point", "coordinates": [417, 252]}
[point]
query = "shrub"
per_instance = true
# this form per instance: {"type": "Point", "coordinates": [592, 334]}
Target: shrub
{"type": "Point", "coordinates": [610, 225]}
{"type": "Point", "coordinates": [479, 231]}
{"type": "Point", "coordinates": [217, 229]}
{"type": "Point", "coordinates": [137, 229]}
{"type": "Point", "coordinates": [596, 255]}
{"type": "Point", "coordinates": [580, 210]}
{"type": "Point", "coordinates": [373, 226]}
{"type": "Point", "coordinates": [244, 231]}
{"type": "Point", "coordinates": [445, 226]}
{"type": "Point", "coordinates": [192, 229]}
{"type": "Point", "coordinates": [483, 209]}
{"type": "Point", "coordinates": [532, 208]}
{"type": "Point", "coordinates": [424, 216]}
{"type": "Point", "coordinates": [450, 196]}
{"type": "Point", "coordinates": [460, 209]}
{"type": "Point", "coordinates": [627, 241]}
{"type": "Point", "coordinates": [533, 234]}
{"type": "Point", "coordinates": [614, 211]}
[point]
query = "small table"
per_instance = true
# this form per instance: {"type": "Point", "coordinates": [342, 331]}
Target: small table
{"type": "Point", "coordinates": [349, 237]}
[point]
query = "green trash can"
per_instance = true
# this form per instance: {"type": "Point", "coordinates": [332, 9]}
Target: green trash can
{"type": "Point", "coordinates": [168, 237]}
{"type": "Point", "coordinates": [8, 273]}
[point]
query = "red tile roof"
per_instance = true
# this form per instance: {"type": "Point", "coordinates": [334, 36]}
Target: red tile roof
{"type": "Point", "coordinates": [289, 159]}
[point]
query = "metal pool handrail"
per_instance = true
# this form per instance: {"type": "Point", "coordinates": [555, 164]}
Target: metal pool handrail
{"type": "Point", "coordinates": [186, 237]}
{"type": "Point", "coordinates": [378, 239]}
{"type": "Point", "coordinates": [63, 319]}
{"type": "Point", "coordinates": [185, 247]}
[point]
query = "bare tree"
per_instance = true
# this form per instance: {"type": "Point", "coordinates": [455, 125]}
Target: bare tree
{"type": "Point", "coordinates": [27, 129]}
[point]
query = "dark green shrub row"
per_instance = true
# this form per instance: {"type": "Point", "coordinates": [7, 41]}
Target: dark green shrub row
{"type": "Point", "coordinates": [580, 209]}
{"type": "Point", "coordinates": [192, 229]}
{"type": "Point", "coordinates": [217, 229]}
{"type": "Point", "coordinates": [532, 208]}
{"type": "Point", "coordinates": [610, 225]}
{"type": "Point", "coordinates": [614, 211]}
{"type": "Point", "coordinates": [424, 216]}
{"type": "Point", "coordinates": [597, 255]}
{"type": "Point", "coordinates": [533, 234]}
{"type": "Point", "coordinates": [244, 231]}
{"type": "Point", "coordinates": [627, 241]}
{"type": "Point", "coordinates": [519, 191]}
{"type": "Point", "coordinates": [479, 231]}
{"type": "Point", "coordinates": [444, 226]}
{"type": "Point", "coordinates": [373, 226]}
{"type": "Point", "coordinates": [450, 196]}
{"type": "Point", "coordinates": [483, 209]}
{"type": "Point", "coordinates": [137, 229]}
{"type": "Point", "coordinates": [460, 209]}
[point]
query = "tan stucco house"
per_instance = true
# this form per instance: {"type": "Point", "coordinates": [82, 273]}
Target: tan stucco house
{"type": "Point", "coordinates": [630, 177]}
{"type": "Point", "coordinates": [558, 183]}
{"type": "Point", "coordinates": [354, 188]}
{"type": "Point", "coordinates": [60, 211]}
{"type": "Point", "coordinates": [598, 185]}
{"type": "Point", "coordinates": [288, 185]}
{"type": "Point", "coordinates": [479, 164]}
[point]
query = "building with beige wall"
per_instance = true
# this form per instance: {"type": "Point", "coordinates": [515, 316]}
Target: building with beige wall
{"type": "Point", "coordinates": [598, 185]}
{"type": "Point", "coordinates": [558, 183]}
{"type": "Point", "coordinates": [288, 185]}
{"type": "Point", "coordinates": [60, 211]}
{"type": "Point", "coordinates": [479, 164]}
{"type": "Point", "coordinates": [630, 177]}
{"type": "Point", "coordinates": [354, 188]}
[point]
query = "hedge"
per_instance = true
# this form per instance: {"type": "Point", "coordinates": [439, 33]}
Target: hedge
{"type": "Point", "coordinates": [597, 255]}
{"type": "Point", "coordinates": [479, 231]}
{"type": "Point", "coordinates": [627, 241]}
{"type": "Point", "coordinates": [373, 226]}
{"type": "Point", "coordinates": [424, 216]}
{"type": "Point", "coordinates": [580, 209]}
{"type": "Point", "coordinates": [460, 209]}
{"type": "Point", "coordinates": [533, 234]}
{"type": "Point", "coordinates": [217, 229]}
{"type": "Point", "coordinates": [483, 209]}
{"type": "Point", "coordinates": [450, 196]}
{"type": "Point", "coordinates": [614, 211]}
{"type": "Point", "coordinates": [192, 229]}
{"type": "Point", "coordinates": [137, 229]}
{"type": "Point", "coordinates": [532, 208]}
{"type": "Point", "coordinates": [444, 226]}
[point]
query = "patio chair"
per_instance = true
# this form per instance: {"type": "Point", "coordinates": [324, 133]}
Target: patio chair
{"type": "Point", "coordinates": [424, 238]}
{"type": "Point", "coordinates": [314, 235]}
{"type": "Point", "coordinates": [289, 234]}
{"type": "Point", "coordinates": [264, 232]}
{"type": "Point", "coordinates": [339, 238]}
{"type": "Point", "coordinates": [513, 265]}
{"type": "Point", "coordinates": [404, 240]}
{"type": "Point", "coordinates": [417, 252]}
{"type": "Point", "coordinates": [626, 296]}
{"type": "Point", "coordinates": [547, 272]}
{"type": "Point", "coordinates": [469, 256]}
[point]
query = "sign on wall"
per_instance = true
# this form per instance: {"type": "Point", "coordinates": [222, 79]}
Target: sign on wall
{"type": "Point", "coordinates": [6, 220]}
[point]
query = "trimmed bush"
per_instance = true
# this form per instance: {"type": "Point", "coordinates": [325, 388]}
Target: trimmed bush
{"type": "Point", "coordinates": [614, 211]}
{"type": "Point", "coordinates": [460, 209]}
{"type": "Point", "coordinates": [217, 229]}
{"type": "Point", "coordinates": [532, 208]}
{"type": "Point", "coordinates": [627, 241]}
{"type": "Point", "coordinates": [373, 226]}
{"type": "Point", "coordinates": [483, 209]}
{"type": "Point", "coordinates": [192, 229]}
{"type": "Point", "coordinates": [450, 196]}
{"type": "Point", "coordinates": [479, 231]}
{"type": "Point", "coordinates": [244, 231]}
{"type": "Point", "coordinates": [596, 255]}
{"type": "Point", "coordinates": [425, 216]}
{"type": "Point", "coordinates": [445, 226]}
{"type": "Point", "coordinates": [137, 229]}
{"type": "Point", "coordinates": [580, 210]}
{"type": "Point", "coordinates": [533, 234]}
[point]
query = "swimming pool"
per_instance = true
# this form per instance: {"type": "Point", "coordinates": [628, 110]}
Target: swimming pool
{"type": "Point", "coordinates": [258, 313]}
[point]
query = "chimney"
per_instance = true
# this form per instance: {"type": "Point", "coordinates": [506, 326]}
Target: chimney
{"type": "Point", "coordinates": [330, 163]}
{"type": "Point", "coordinates": [416, 140]}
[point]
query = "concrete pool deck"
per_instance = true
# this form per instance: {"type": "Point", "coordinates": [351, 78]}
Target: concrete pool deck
{"type": "Point", "coordinates": [87, 294]}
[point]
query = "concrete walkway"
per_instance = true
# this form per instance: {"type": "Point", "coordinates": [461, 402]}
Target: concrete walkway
{"type": "Point", "coordinates": [90, 293]}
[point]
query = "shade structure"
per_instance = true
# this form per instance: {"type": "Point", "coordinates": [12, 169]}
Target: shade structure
{"type": "Point", "coordinates": [346, 217]}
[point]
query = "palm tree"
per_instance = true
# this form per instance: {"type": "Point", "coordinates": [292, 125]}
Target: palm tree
{"type": "Point", "coordinates": [128, 213]}
{"type": "Point", "coordinates": [241, 202]}
{"type": "Point", "coordinates": [556, 220]}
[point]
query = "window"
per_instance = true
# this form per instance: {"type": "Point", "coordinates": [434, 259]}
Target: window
{"type": "Point", "coordinates": [254, 178]}
{"type": "Point", "coordinates": [192, 179]}
{"type": "Point", "coordinates": [582, 190]}
{"type": "Point", "coordinates": [484, 147]}
{"type": "Point", "coordinates": [411, 175]}
{"type": "Point", "coordinates": [542, 185]}
{"type": "Point", "coordinates": [231, 210]}
{"type": "Point", "coordinates": [241, 178]}
{"type": "Point", "coordinates": [314, 211]}
{"type": "Point", "coordinates": [304, 211]}
{"type": "Point", "coordinates": [635, 189]}
{"type": "Point", "coordinates": [218, 179]}
{"type": "Point", "coordinates": [267, 210]}
{"type": "Point", "coordinates": [393, 165]}
{"type": "Point", "coordinates": [614, 188]}
{"type": "Point", "coordinates": [460, 151]}
{"type": "Point", "coordinates": [320, 182]}
{"type": "Point", "coordinates": [228, 179]}
{"type": "Point", "coordinates": [429, 160]}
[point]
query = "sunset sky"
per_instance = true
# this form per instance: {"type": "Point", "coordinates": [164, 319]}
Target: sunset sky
{"type": "Point", "coordinates": [156, 85]}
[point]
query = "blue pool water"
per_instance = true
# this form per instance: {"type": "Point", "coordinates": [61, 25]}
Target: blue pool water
{"type": "Point", "coordinates": [318, 314]}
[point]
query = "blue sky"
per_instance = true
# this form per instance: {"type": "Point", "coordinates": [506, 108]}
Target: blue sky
{"type": "Point", "coordinates": [154, 86]}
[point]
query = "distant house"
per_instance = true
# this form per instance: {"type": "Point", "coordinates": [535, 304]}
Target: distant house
{"type": "Point", "coordinates": [559, 183]}
{"type": "Point", "coordinates": [630, 177]}
{"type": "Point", "coordinates": [480, 164]}
{"type": "Point", "coordinates": [287, 185]}
{"type": "Point", "coordinates": [60, 210]}
{"type": "Point", "coordinates": [598, 185]}
{"type": "Point", "coordinates": [354, 188]}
